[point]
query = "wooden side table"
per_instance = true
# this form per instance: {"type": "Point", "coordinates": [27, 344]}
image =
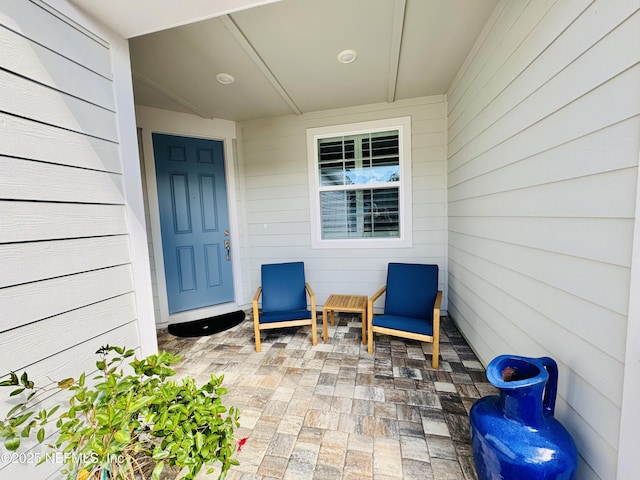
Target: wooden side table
{"type": "Point", "coordinates": [344, 303]}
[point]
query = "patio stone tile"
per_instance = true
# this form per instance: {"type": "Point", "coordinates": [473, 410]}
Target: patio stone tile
{"type": "Point", "coordinates": [341, 404]}
{"type": "Point", "coordinates": [358, 465]}
{"type": "Point", "coordinates": [395, 396]}
{"type": "Point", "coordinates": [281, 445]}
{"type": "Point", "coordinates": [446, 469]}
{"type": "Point", "coordinates": [290, 425]}
{"type": "Point", "coordinates": [387, 410]}
{"type": "Point", "coordinates": [321, 419]}
{"type": "Point", "coordinates": [413, 429]}
{"type": "Point", "coordinates": [335, 412]}
{"type": "Point", "coordinates": [458, 427]}
{"type": "Point", "coordinates": [302, 461]}
{"type": "Point", "coordinates": [344, 390]}
{"type": "Point", "coordinates": [410, 413]}
{"type": "Point", "coordinates": [273, 466]}
{"type": "Point", "coordinates": [310, 435]}
{"type": "Point", "coordinates": [416, 470]}
{"type": "Point", "coordinates": [360, 443]}
{"type": "Point", "coordinates": [414, 448]}
{"type": "Point", "coordinates": [441, 447]}
{"type": "Point", "coordinates": [362, 407]}
{"type": "Point", "coordinates": [387, 458]}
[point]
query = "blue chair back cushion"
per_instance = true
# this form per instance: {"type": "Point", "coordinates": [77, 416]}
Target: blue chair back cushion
{"type": "Point", "coordinates": [411, 291]}
{"type": "Point", "coordinates": [283, 288]}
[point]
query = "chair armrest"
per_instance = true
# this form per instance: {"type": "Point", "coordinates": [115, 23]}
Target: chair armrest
{"type": "Point", "coordinates": [256, 297]}
{"type": "Point", "coordinates": [373, 298]}
{"type": "Point", "coordinates": [312, 298]}
{"type": "Point", "coordinates": [309, 290]}
{"type": "Point", "coordinates": [377, 295]}
{"type": "Point", "coordinates": [436, 305]}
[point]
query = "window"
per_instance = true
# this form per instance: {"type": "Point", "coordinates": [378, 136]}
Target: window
{"type": "Point", "coordinates": [360, 177]}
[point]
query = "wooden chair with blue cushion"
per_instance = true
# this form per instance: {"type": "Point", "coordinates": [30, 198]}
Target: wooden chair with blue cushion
{"type": "Point", "coordinates": [411, 308]}
{"type": "Point", "coordinates": [284, 299]}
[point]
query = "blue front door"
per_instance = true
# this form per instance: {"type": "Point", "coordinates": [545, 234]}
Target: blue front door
{"type": "Point", "coordinates": [194, 221]}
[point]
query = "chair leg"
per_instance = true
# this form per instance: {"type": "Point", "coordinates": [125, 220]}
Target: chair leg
{"type": "Point", "coordinates": [314, 330]}
{"type": "Point", "coordinates": [256, 329]}
{"type": "Point", "coordinates": [436, 341]}
{"type": "Point", "coordinates": [436, 353]}
{"type": "Point", "coordinates": [257, 339]}
{"type": "Point", "coordinates": [370, 332]}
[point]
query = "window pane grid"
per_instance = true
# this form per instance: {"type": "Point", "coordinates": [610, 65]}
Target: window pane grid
{"type": "Point", "coordinates": [359, 159]}
{"type": "Point", "coordinates": [359, 192]}
{"type": "Point", "coordinates": [360, 213]}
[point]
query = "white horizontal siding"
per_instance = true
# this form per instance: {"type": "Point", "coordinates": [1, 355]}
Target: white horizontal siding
{"type": "Point", "coordinates": [66, 38]}
{"type": "Point", "coordinates": [29, 180]}
{"type": "Point", "coordinates": [29, 221]}
{"type": "Point", "coordinates": [542, 177]}
{"type": "Point", "coordinates": [65, 251]}
{"type": "Point", "coordinates": [25, 139]}
{"type": "Point", "coordinates": [42, 65]}
{"type": "Point", "coordinates": [25, 98]}
{"type": "Point", "coordinates": [34, 261]}
{"type": "Point", "coordinates": [276, 198]}
{"type": "Point", "coordinates": [110, 314]}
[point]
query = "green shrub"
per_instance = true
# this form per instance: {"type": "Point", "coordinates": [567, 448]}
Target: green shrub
{"type": "Point", "coordinates": [129, 425]}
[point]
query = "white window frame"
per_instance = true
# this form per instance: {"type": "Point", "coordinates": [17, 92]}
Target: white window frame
{"type": "Point", "coordinates": [403, 125]}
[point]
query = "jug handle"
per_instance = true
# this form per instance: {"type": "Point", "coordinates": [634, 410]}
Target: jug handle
{"type": "Point", "coordinates": [551, 389]}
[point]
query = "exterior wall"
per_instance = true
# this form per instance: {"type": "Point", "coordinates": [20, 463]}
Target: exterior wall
{"type": "Point", "coordinates": [276, 196]}
{"type": "Point", "coordinates": [74, 266]}
{"type": "Point", "coordinates": [543, 144]}
{"type": "Point", "coordinates": [153, 120]}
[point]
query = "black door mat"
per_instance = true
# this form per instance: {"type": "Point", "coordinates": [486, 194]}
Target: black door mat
{"type": "Point", "coordinates": [207, 326]}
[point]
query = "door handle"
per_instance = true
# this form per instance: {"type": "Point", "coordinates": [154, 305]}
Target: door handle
{"type": "Point", "coordinates": [227, 246]}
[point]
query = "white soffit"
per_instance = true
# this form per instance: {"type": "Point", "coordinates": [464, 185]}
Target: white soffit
{"type": "Point", "coordinates": [131, 18]}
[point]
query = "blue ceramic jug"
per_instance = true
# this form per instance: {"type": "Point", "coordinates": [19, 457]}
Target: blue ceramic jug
{"type": "Point", "coordinates": [515, 436]}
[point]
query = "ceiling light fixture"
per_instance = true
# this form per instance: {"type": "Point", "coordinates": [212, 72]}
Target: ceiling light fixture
{"type": "Point", "coordinates": [225, 78]}
{"type": "Point", "coordinates": [347, 56]}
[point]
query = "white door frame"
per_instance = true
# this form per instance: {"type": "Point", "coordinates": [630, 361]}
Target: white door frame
{"type": "Point", "coordinates": [152, 120]}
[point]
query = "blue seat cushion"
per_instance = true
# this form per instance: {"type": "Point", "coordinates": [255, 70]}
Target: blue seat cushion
{"type": "Point", "coordinates": [283, 287]}
{"type": "Point", "coordinates": [411, 290]}
{"type": "Point", "coordinates": [269, 317]}
{"type": "Point", "coordinates": [406, 324]}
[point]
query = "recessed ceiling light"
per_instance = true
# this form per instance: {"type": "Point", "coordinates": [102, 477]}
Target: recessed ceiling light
{"type": "Point", "coordinates": [347, 56]}
{"type": "Point", "coordinates": [225, 78]}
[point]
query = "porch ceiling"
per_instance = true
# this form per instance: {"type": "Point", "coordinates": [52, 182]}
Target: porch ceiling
{"type": "Point", "coordinates": [283, 53]}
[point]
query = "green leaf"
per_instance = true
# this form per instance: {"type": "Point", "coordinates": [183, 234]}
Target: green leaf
{"type": "Point", "coordinates": [155, 475]}
{"type": "Point", "coordinates": [9, 383]}
{"type": "Point", "coordinates": [17, 391]}
{"type": "Point", "coordinates": [66, 383]}
{"type": "Point", "coordinates": [40, 435]}
{"type": "Point", "coordinates": [52, 411]}
{"type": "Point", "coordinates": [102, 418]}
{"type": "Point", "coordinates": [199, 440]}
{"type": "Point", "coordinates": [122, 436]}
{"type": "Point", "coordinates": [21, 419]}
{"type": "Point", "coordinates": [12, 443]}
{"type": "Point", "coordinates": [161, 454]}
{"type": "Point", "coordinates": [139, 403]}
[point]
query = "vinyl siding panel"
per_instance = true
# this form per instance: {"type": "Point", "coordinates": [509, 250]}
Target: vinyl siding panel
{"type": "Point", "coordinates": [65, 250]}
{"type": "Point", "coordinates": [276, 197]}
{"type": "Point", "coordinates": [543, 149]}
